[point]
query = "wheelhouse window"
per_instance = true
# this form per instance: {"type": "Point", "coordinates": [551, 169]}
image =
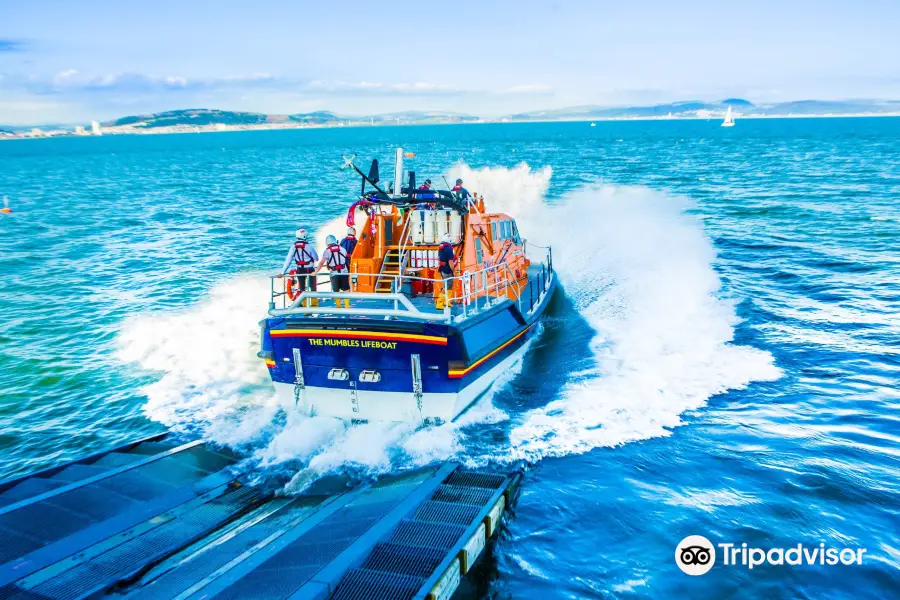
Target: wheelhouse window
{"type": "Point", "coordinates": [479, 253]}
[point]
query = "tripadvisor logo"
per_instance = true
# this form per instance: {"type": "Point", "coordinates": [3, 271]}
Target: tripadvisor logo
{"type": "Point", "coordinates": [696, 555]}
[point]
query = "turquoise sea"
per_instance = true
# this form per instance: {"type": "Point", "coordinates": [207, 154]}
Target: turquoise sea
{"type": "Point", "coordinates": [724, 360]}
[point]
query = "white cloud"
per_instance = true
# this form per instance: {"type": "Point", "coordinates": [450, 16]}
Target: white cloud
{"type": "Point", "coordinates": [535, 89]}
{"type": "Point", "coordinates": [419, 88]}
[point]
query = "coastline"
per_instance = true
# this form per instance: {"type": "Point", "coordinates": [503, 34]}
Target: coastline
{"type": "Point", "coordinates": [223, 128]}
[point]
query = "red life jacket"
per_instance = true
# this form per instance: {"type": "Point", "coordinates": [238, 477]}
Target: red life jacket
{"type": "Point", "coordinates": [338, 259]}
{"type": "Point", "coordinates": [456, 188]}
{"type": "Point", "coordinates": [301, 256]}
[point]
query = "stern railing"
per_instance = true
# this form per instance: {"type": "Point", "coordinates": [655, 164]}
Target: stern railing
{"type": "Point", "coordinates": [464, 295]}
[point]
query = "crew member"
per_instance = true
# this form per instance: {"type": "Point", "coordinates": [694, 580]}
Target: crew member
{"type": "Point", "coordinates": [446, 258]}
{"type": "Point", "coordinates": [426, 187]}
{"type": "Point", "coordinates": [349, 242]}
{"type": "Point", "coordinates": [300, 262]}
{"type": "Point", "coordinates": [335, 257]}
{"type": "Point", "coordinates": [459, 189]}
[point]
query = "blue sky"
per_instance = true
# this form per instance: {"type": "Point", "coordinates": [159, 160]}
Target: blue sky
{"type": "Point", "coordinates": [75, 61]}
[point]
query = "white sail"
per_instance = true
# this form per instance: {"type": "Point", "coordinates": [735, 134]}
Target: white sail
{"type": "Point", "coordinates": [729, 119]}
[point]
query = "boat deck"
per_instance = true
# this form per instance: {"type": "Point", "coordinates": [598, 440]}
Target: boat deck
{"type": "Point", "coordinates": [162, 519]}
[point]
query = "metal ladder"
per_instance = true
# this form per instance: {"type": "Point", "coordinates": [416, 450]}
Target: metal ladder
{"type": "Point", "coordinates": [395, 261]}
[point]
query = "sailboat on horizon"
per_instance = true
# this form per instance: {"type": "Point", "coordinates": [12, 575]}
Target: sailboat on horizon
{"type": "Point", "coordinates": [729, 118]}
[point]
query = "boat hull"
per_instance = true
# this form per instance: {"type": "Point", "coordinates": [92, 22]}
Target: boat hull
{"type": "Point", "coordinates": [367, 405]}
{"type": "Point", "coordinates": [377, 370]}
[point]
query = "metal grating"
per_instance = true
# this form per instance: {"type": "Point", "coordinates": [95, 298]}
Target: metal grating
{"type": "Point", "coordinates": [291, 567]}
{"type": "Point", "coordinates": [361, 584]}
{"type": "Point", "coordinates": [268, 584]}
{"type": "Point", "coordinates": [133, 485]}
{"type": "Point", "coordinates": [127, 558]}
{"type": "Point", "coordinates": [50, 520]}
{"type": "Point", "coordinates": [152, 448]}
{"type": "Point", "coordinates": [216, 555]}
{"type": "Point", "coordinates": [15, 544]}
{"type": "Point", "coordinates": [396, 558]}
{"type": "Point", "coordinates": [427, 535]}
{"type": "Point", "coordinates": [475, 479]}
{"type": "Point", "coordinates": [206, 459]}
{"type": "Point", "coordinates": [92, 503]}
{"type": "Point", "coordinates": [114, 460]}
{"type": "Point", "coordinates": [173, 470]}
{"type": "Point", "coordinates": [35, 526]}
{"type": "Point", "coordinates": [447, 512]}
{"type": "Point", "coordinates": [76, 472]}
{"type": "Point", "coordinates": [463, 495]}
{"type": "Point", "coordinates": [27, 489]}
{"type": "Point", "coordinates": [12, 592]}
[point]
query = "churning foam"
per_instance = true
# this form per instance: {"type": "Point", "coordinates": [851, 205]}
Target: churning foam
{"type": "Point", "coordinates": [639, 270]}
{"type": "Point", "coordinates": [634, 265]}
{"type": "Point", "coordinates": [210, 380]}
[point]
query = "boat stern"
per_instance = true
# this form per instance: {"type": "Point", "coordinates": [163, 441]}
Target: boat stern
{"type": "Point", "coordinates": [362, 372]}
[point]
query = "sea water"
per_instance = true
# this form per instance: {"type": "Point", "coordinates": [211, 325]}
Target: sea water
{"type": "Point", "coordinates": [722, 359]}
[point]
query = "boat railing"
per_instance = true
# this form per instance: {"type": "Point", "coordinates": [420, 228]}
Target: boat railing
{"type": "Point", "coordinates": [461, 296]}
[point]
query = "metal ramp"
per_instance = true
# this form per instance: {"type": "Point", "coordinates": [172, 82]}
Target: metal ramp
{"type": "Point", "coordinates": [158, 520]}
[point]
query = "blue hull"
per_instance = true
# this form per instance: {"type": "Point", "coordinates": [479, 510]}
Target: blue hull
{"type": "Point", "coordinates": [454, 358]}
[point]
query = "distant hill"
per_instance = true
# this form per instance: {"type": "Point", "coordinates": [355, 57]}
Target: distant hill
{"type": "Point", "coordinates": [740, 102]}
{"type": "Point", "coordinates": [321, 117]}
{"type": "Point", "coordinates": [422, 116]}
{"type": "Point", "coordinates": [606, 112]}
{"type": "Point", "coordinates": [696, 108]}
{"type": "Point", "coordinates": [193, 116]}
{"type": "Point", "coordinates": [205, 116]}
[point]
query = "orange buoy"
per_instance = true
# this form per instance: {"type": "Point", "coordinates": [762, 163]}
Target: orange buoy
{"type": "Point", "coordinates": [6, 209]}
{"type": "Point", "coordinates": [289, 287]}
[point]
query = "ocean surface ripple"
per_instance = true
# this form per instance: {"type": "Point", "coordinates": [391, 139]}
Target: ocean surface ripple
{"type": "Point", "coordinates": [724, 360]}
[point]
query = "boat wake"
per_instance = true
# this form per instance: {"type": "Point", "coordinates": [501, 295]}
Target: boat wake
{"type": "Point", "coordinates": [638, 269]}
{"type": "Point", "coordinates": [635, 266]}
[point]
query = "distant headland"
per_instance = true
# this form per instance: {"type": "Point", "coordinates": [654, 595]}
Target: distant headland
{"type": "Point", "coordinates": [209, 120]}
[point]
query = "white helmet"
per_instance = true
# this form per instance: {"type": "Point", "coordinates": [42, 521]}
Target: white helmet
{"type": "Point", "coordinates": [351, 231]}
{"type": "Point", "coordinates": [448, 239]}
{"type": "Point", "coordinates": [302, 235]}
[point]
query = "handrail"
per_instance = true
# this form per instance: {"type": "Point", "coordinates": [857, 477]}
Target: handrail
{"type": "Point", "coordinates": [409, 310]}
{"type": "Point", "coordinates": [405, 236]}
{"type": "Point", "coordinates": [480, 289]}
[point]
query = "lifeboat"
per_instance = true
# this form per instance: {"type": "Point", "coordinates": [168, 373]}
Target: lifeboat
{"type": "Point", "coordinates": [413, 343]}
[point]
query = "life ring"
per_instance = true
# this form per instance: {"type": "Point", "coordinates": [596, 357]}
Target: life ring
{"type": "Point", "coordinates": [289, 286]}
